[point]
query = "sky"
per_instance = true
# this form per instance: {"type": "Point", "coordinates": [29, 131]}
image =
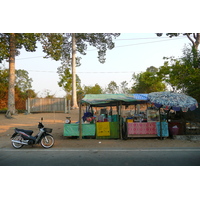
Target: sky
{"type": "Point", "coordinates": [133, 53]}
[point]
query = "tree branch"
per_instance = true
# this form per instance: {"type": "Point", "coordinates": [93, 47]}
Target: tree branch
{"type": "Point", "coordinates": [190, 39]}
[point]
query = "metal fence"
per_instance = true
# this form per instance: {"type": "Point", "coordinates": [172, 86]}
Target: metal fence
{"type": "Point", "coordinates": [47, 105]}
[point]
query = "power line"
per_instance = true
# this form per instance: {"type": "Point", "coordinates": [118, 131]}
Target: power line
{"type": "Point", "coordinates": [180, 37]}
{"type": "Point", "coordinates": [123, 72]}
{"type": "Point", "coordinates": [141, 43]}
{"type": "Point", "coordinates": [106, 72]}
{"type": "Point", "coordinates": [152, 38]}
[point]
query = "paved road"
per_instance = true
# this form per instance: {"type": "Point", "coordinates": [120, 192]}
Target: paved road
{"type": "Point", "coordinates": [100, 157]}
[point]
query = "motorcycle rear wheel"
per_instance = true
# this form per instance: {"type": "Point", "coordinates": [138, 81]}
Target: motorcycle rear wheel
{"type": "Point", "coordinates": [47, 141]}
{"type": "Point", "coordinates": [17, 145]}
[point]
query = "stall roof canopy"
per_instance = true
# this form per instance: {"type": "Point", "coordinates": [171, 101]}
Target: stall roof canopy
{"type": "Point", "coordinates": [141, 96]}
{"type": "Point", "coordinates": [112, 99]}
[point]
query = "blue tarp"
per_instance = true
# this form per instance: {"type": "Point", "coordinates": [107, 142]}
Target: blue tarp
{"type": "Point", "coordinates": [143, 97]}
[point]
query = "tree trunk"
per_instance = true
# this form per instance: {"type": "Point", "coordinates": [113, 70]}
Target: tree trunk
{"type": "Point", "coordinates": [74, 95]}
{"type": "Point", "coordinates": [11, 88]}
{"type": "Point", "coordinates": [197, 42]}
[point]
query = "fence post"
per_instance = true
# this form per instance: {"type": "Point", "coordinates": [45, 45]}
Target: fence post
{"type": "Point", "coordinates": [68, 106]}
{"type": "Point", "coordinates": [65, 105]}
{"type": "Point", "coordinates": [28, 106]}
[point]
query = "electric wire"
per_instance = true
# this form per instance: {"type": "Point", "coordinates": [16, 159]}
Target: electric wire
{"type": "Point", "coordinates": [171, 39]}
{"type": "Point", "coordinates": [123, 72]}
{"type": "Point", "coordinates": [180, 37]}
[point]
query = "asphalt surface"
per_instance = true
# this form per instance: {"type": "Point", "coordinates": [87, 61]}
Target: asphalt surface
{"type": "Point", "coordinates": [35, 156]}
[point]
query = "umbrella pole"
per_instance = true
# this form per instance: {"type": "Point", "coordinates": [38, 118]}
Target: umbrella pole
{"type": "Point", "coordinates": [160, 125]}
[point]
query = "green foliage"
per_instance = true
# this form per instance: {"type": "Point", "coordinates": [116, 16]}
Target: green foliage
{"type": "Point", "coordinates": [182, 74]}
{"type": "Point", "coordinates": [112, 88]}
{"type": "Point", "coordinates": [52, 44]}
{"type": "Point", "coordinates": [23, 82]}
{"type": "Point", "coordinates": [169, 75]}
{"type": "Point", "coordinates": [3, 82]}
{"type": "Point", "coordinates": [147, 82]}
{"type": "Point", "coordinates": [66, 79]}
{"type": "Point", "coordinates": [26, 40]}
{"type": "Point", "coordinates": [96, 89]}
{"type": "Point", "coordinates": [59, 46]}
{"type": "Point", "coordinates": [191, 57]}
{"type": "Point", "coordinates": [124, 88]}
{"type": "Point", "coordinates": [47, 94]}
{"type": "Point", "coordinates": [31, 93]}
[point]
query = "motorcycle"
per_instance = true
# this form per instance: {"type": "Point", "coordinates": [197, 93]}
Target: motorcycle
{"type": "Point", "coordinates": [23, 137]}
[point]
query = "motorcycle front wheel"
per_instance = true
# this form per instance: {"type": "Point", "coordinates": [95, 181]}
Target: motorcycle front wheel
{"type": "Point", "coordinates": [47, 141]}
{"type": "Point", "coordinates": [17, 145]}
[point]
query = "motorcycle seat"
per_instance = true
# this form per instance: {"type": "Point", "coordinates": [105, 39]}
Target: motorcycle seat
{"type": "Point", "coordinates": [29, 132]}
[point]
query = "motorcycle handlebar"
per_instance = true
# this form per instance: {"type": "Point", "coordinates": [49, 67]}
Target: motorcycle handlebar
{"type": "Point", "coordinates": [40, 125]}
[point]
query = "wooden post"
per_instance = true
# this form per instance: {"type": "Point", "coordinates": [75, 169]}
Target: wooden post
{"type": "Point", "coordinates": [80, 122]}
{"type": "Point", "coordinates": [120, 119]}
{"type": "Point", "coordinates": [160, 125]}
{"type": "Point", "coordinates": [65, 105]}
{"type": "Point", "coordinates": [28, 106]}
{"type": "Point", "coordinates": [68, 106]}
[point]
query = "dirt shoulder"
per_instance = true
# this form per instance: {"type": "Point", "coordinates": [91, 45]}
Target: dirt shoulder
{"type": "Point", "coordinates": [56, 122]}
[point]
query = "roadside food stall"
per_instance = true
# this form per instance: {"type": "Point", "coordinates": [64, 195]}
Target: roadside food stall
{"type": "Point", "coordinates": [103, 126]}
{"type": "Point", "coordinates": [133, 123]}
{"type": "Point", "coordinates": [113, 123]}
{"type": "Point", "coordinates": [137, 122]}
{"type": "Point", "coordinates": [108, 124]}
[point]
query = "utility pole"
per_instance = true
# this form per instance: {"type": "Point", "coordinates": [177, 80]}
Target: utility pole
{"type": "Point", "coordinates": [74, 96]}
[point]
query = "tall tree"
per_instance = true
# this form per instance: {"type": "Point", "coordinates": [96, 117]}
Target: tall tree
{"type": "Point", "coordinates": [102, 41]}
{"type": "Point", "coordinates": [22, 88]}
{"type": "Point", "coordinates": [112, 88]}
{"type": "Point", "coordinates": [124, 87]}
{"type": "Point", "coordinates": [10, 44]}
{"type": "Point", "coordinates": [74, 95]}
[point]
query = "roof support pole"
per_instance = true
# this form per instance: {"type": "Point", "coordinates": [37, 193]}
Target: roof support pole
{"type": "Point", "coordinates": [120, 119]}
{"type": "Point", "coordinates": [80, 121]}
{"type": "Point", "coordinates": [160, 125]}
